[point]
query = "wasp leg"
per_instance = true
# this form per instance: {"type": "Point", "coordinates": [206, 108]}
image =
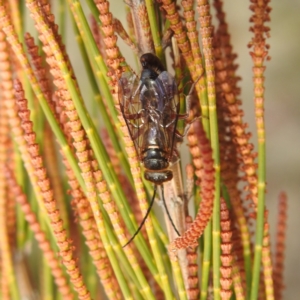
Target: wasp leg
{"type": "Point", "coordinates": [139, 132]}
{"type": "Point", "coordinates": [166, 39]}
{"type": "Point", "coordinates": [189, 95]}
{"type": "Point", "coordinates": [132, 116]}
{"type": "Point", "coordinates": [167, 211]}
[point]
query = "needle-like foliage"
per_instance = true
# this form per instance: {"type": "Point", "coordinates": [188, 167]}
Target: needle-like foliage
{"type": "Point", "coordinates": [72, 189]}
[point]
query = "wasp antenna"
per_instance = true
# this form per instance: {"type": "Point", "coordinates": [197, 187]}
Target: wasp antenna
{"type": "Point", "coordinates": [168, 213]}
{"type": "Point", "coordinates": [145, 218]}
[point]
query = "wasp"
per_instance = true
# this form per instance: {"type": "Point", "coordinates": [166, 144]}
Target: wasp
{"type": "Point", "coordinates": [150, 107]}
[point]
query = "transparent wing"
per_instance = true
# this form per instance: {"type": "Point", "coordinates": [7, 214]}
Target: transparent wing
{"type": "Point", "coordinates": [130, 106]}
{"type": "Point", "coordinates": [150, 109]}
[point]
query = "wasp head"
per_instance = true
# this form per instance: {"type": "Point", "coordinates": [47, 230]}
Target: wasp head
{"type": "Point", "coordinates": [152, 62]}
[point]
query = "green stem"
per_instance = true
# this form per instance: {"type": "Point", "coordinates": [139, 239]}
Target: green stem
{"type": "Point", "coordinates": [260, 219]}
{"type": "Point", "coordinates": [179, 280]}
{"type": "Point", "coordinates": [155, 30]}
{"type": "Point", "coordinates": [97, 145]}
{"type": "Point", "coordinates": [100, 68]}
{"type": "Point", "coordinates": [206, 260]}
{"type": "Point", "coordinates": [104, 232]}
{"type": "Point", "coordinates": [47, 281]}
{"type": "Point", "coordinates": [98, 99]}
{"type": "Point", "coordinates": [216, 210]}
{"type": "Point", "coordinates": [94, 9]}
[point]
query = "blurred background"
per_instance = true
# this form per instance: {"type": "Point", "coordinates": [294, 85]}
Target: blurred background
{"type": "Point", "coordinates": [282, 109]}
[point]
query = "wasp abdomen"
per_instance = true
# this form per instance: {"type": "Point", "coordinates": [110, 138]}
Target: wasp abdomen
{"type": "Point", "coordinates": [158, 177]}
{"type": "Point", "coordinates": [154, 160]}
{"type": "Point", "coordinates": [156, 164]}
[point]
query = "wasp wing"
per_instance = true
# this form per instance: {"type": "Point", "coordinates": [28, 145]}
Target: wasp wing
{"type": "Point", "coordinates": [130, 106]}
{"type": "Point", "coordinates": [150, 109]}
{"type": "Point", "coordinates": [160, 107]}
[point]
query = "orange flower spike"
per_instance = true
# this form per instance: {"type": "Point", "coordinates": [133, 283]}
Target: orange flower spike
{"type": "Point", "coordinates": [192, 268]}
{"type": "Point", "coordinates": [63, 242]}
{"type": "Point", "coordinates": [226, 257]}
{"type": "Point", "coordinates": [233, 145]}
{"type": "Point", "coordinates": [280, 246]}
{"type": "Point", "coordinates": [124, 35]}
{"type": "Point", "coordinates": [7, 276]}
{"type": "Point", "coordinates": [41, 238]}
{"type": "Point", "coordinates": [86, 220]}
{"type": "Point", "coordinates": [267, 263]}
{"type": "Point", "coordinates": [190, 237]}
{"type": "Point", "coordinates": [176, 25]}
{"type": "Point", "coordinates": [142, 14]}
{"type": "Point", "coordinates": [114, 57]}
{"type": "Point", "coordinates": [192, 33]}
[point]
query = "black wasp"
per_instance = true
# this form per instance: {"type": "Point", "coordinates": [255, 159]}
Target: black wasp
{"type": "Point", "coordinates": [150, 107]}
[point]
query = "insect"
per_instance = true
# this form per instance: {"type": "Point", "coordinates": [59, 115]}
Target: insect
{"type": "Point", "coordinates": [150, 107]}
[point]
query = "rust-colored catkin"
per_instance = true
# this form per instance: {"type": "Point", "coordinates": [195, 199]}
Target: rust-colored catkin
{"type": "Point", "coordinates": [180, 34]}
{"type": "Point", "coordinates": [229, 153]}
{"type": "Point", "coordinates": [45, 9]}
{"type": "Point", "coordinates": [73, 127]}
{"type": "Point", "coordinates": [195, 152]}
{"type": "Point", "coordinates": [237, 282]}
{"type": "Point", "coordinates": [142, 15]}
{"type": "Point", "coordinates": [192, 33]}
{"type": "Point", "coordinates": [11, 218]}
{"type": "Point", "coordinates": [130, 27]}
{"type": "Point", "coordinates": [114, 57]}
{"type": "Point", "coordinates": [14, 9]}
{"type": "Point", "coordinates": [7, 272]}
{"type": "Point", "coordinates": [139, 26]}
{"type": "Point", "coordinates": [127, 188]}
{"type": "Point", "coordinates": [280, 246]}
{"type": "Point", "coordinates": [89, 229]}
{"type": "Point", "coordinates": [239, 263]}
{"type": "Point", "coordinates": [98, 37]}
{"type": "Point", "coordinates": [6, 150]}
{"type": "Point", "coordinates": [4, 287]}
{"type": "Point", "coordinates": [225, 68]}
{"type": "Point", "coordinates": [40, 236]}
{"type": "Point", "coordinates": [86, 220]}
{"type": "Point", "coordinates": [259, 53]}
{"type": "Point", "coordinates": [224, 36]}
{"type": "Point", "coordinates": [62, 241]}
{"type": "Point", "coordinates": [124, 35]}
{"type": "Point", "coordinates": [192, 267]}
{"type": "Point", "coordinates": [266, 262]}
{"type": "Point", "coordinates": [39, 70]}
{"type": "Point", "coordinates": [189, 238]}
{"type": "Point", "coordinates": [226, 256]}
{"type": "Point", "coordinates": [262, 287]}
{"type": "Point", "coordinates": [114, 60]}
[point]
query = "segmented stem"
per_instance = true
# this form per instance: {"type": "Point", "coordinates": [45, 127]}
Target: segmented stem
{"type": "Point", "coordinates": [280, 246]}
{"type": "Point", "coordinates": [44, 244]}
{"type": "Point", "coordinates": [189, 238]}
{"type": "Point", "coordinates": [8, 279]}
{"type": "Point", "coordinates": [206, 31]}
{"type": "Point", "coordinates": [63, 242]}
{"type": "Point", "coordinates": [260, 15]}
{"type": "Point", "coordinates": [226, 257]}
